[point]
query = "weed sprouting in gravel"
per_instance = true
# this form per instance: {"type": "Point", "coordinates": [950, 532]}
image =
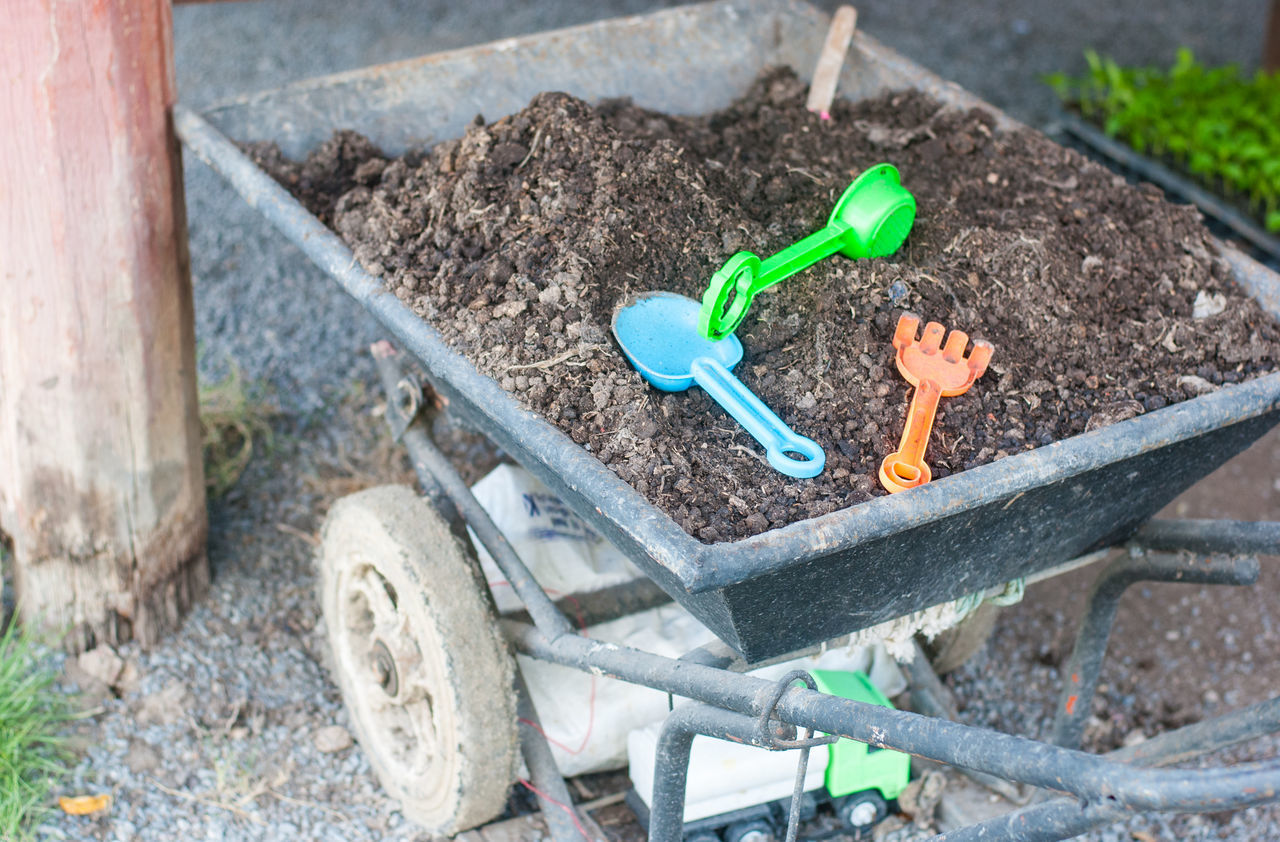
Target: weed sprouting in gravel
{"type": "Point", "coordinates": [231, 421]}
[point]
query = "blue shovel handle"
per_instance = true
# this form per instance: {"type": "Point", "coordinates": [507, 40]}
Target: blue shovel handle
{"type": "Point", "coordinates": [764, 426]}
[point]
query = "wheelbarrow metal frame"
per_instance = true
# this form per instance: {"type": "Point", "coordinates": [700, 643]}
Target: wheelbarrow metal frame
{"type": "Point", "coordinates": [1066, 499]}
{"type": "Point", "coordinates": [1103, 789]}
{"type": "Point", "coordinates": [1038, 509]}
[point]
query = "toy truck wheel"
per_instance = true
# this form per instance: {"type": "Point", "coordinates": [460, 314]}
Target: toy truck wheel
{"type": "Point", "coordinates": [753, 830]}
{"type": "Point", "coordinates": [424, 671]}
{"type": "Point", "coordinates": [861, 811]}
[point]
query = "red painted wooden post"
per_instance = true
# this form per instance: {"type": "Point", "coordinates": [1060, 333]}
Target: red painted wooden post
{"type": "Point", "coordinates": [101, 485]}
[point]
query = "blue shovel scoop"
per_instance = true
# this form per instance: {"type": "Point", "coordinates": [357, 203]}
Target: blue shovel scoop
{"type": "Point", "coordinates": [659, 334]}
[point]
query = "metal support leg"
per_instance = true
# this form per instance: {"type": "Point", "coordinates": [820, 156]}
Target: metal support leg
{"type": "Point", "coordinates": [1229, 537]}
{"type": "Point", "coordinates": [1191, 741]}
{"type": "Point", "coordinates": [671, 764]}
{"type": "Point", "coordinates": [552, 794]}
{"type": "Point", "coordinates": [436, 472]}
{"type": "Point", "coordinates": [928, 694]}
{"type": "Point", "coordinates": [1082, 670]}
{"type": "Point", "coordinates": [1065, 818]}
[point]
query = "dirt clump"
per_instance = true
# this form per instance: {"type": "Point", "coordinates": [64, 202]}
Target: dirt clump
{"type": "Point", "coordinates": [516, 241]}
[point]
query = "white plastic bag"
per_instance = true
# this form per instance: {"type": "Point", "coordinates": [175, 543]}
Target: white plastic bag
{"type": "Point", "coordinates": [564, 554]}
{"type": "Point", "coordinates": [586, 717]}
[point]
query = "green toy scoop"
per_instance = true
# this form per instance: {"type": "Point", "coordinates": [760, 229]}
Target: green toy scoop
{"type": "Point", "coordinates": [871, 219]}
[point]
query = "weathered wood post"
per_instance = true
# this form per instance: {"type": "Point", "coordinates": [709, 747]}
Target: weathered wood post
{"type": "Point", "coordinates": [101, 485]}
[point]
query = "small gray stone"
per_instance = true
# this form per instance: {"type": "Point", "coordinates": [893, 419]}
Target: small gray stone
{"type": "Point", "coordinates": [332, 739]}
{"type": "Point", "coordinates": [92, 690]}
{"type": "Point", "coordinates": [102, 663]}
{"type": "Point", "coordinates": [1195, 385]}
{"type": "Point", "coordinates": [142, 757]}
{"type": "Point", "coordinates": [165, 707]}
{"type": "Point", "coordinates": [130, 677]}
{"type": "Point", "coordinates": [964, 803]}
{"type": "Point", "coordinates": [1113, 413]}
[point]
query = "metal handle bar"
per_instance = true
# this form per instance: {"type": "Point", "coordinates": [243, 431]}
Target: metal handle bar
{"type": "Point", "coordinates": [1232, 537]}
{"type": "Point", "coordinates": [1014, 758]}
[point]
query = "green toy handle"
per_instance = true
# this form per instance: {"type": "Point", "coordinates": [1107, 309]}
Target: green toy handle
{"type": "Point", "coordinates": [871, 219]}
{"type": "Point", "coordinates": [744, 275]}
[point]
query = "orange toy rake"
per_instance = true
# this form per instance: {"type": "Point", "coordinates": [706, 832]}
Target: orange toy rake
{"type": "Point", "coordinates": [937, 371]}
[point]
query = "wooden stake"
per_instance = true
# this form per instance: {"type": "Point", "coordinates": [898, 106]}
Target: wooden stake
{"type": "Point", "coordinates": [101, 486]}
{"type": "Point", "coordinates": [827, 72]}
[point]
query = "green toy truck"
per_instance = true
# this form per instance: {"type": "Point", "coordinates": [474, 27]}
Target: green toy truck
{"type": "Point", "coordinates": [739, 793]}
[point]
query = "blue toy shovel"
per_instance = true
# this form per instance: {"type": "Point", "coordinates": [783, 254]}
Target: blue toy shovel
{"type": "Point", "coordinates": [659, 334]}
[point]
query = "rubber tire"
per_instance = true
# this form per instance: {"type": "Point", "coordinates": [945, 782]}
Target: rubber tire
{"type": "Point", "coordinates": [439, 589]}
{"type": "Point", "coordinates": [868, 796]}
{"type": "Point", "coordinates": [951, 649]}
{"type": "Point", "coordinates": [737, 830]}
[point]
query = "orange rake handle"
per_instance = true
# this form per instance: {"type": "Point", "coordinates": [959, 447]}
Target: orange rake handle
{"type": "Point", "coordinates": [936, 371]}
{"type": "Point", "coordinates": [905, 467]}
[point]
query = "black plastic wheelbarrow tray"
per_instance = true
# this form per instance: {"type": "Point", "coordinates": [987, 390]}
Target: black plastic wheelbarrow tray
{"type": "Point", "coordinates": [813, 580]}
{"type": "Point", "coordinates": [816, 580]}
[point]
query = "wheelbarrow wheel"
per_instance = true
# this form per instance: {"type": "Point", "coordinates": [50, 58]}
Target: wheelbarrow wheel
{"type": "Point", "coordinates": [953, 648]}
{"type": "Point", "coordinates": [426, 675]}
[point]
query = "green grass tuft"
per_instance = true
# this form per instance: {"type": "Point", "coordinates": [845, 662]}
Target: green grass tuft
{"type": "Point", "coordinates": [33, 752]}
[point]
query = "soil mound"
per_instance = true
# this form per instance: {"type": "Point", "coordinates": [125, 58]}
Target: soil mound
{"type": "Point", "coordinates": [1103, 300]}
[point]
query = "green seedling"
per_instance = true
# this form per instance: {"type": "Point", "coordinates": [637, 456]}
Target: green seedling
{"type": "Point", "coordinates": [871, 219]}
{"type": "Point", "coordinates": [1217, 125]}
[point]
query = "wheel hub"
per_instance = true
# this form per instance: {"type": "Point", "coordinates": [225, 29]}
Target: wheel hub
{"type": "Point", "coordinates": [862, 815]}
{"type": "Point", "coordinates": [395, 695]}
{"type": "Point", "coordinates": [756, 836]}
{"type": "Point", "coordinates": [384, 667]}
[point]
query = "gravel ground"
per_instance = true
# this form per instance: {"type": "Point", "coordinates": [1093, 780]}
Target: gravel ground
{"type": "Point", "coordinates": [221, 732]}
{"type": "Point", "coordinates": [226, 730]}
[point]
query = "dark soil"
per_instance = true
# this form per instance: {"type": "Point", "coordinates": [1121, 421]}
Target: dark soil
{"type": "Point", "coordinates": [1175, 168]}
{"type": "Point", "coordinates": [517, 241]}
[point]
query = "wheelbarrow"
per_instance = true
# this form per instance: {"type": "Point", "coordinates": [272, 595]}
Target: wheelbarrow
{"type": "Point", "coordinates": [424, 663]}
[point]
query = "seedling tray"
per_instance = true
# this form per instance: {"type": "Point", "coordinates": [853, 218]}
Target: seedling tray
{"type": "Point", "coordinates": [1120, 155]}
{"type": "Point", "coordinates": [817, 579]}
